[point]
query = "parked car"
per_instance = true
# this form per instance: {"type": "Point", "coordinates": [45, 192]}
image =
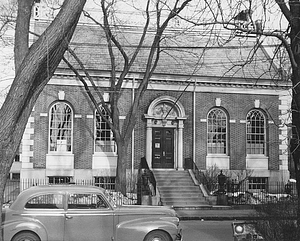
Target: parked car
{"type": "Point", "coordinates": [245, 231]}
{"type": "Point", "coordinates": [77, 213]}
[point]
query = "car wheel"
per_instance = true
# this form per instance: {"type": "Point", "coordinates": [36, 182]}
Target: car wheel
{"type": "Point", "coordinates": [26, 236]}
{"type": "Point", "coordinates": [157, 236]}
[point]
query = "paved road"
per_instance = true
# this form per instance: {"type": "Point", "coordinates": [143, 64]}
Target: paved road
{"type": "Point", "coordinates": [207, 230]}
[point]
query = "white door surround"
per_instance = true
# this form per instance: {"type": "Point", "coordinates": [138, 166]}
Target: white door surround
{"type": "Point", "coordinates": [166, 111]}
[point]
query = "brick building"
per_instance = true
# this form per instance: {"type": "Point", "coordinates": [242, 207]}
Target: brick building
{"type": "Point", "coordinates": [202, 104]}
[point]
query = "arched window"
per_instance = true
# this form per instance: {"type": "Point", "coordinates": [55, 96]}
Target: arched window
{"type": "Point", "coordinates": [104, 138]}
{"type": "Point", "coordinates": [217, 131]}
{"type": "Point", "coordinates": [256, 132]}
{"type": "Point", "coordinates": [60, 127]}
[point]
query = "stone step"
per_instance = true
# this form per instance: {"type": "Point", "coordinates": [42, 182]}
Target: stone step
{"type": "Point", "coordinates": [182, 195]}
{"type": "Point", "coordinates": [185, 203]}
{"type": "Point", "coordinates": [171, 198]}
{"type": "Point", "coordinates": [174, 183]}
{"type": "Point", "coordinates": [169, 174]}
{"type": "Point", "coordinates": [177, 188]}
{"type": "Point", "coordinates": [173, 177]}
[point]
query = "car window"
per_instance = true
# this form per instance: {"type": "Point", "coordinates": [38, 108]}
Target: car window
{"type": "Point", "coordinates": [46, 201]}
{"type": "Point", "coordinates": [86, 201]}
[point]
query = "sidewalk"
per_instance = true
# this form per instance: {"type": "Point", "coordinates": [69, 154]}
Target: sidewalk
{"type": "Point", "coordinates": [215, 213]}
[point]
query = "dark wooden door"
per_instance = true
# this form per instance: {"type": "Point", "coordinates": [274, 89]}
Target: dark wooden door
{"type": "Point", "coordinates": [162, 148]}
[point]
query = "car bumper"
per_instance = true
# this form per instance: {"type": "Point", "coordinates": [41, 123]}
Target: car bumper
{"type": "Point", "coordinates": [179, 236]}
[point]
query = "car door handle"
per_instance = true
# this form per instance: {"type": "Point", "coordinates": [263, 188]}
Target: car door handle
{"type": "Point", "coordinates": [68, 217]}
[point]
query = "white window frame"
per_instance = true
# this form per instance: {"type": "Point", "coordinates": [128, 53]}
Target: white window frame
{"type": "Point", "coordinates": [257, 183]}
{"type": "Point", "coordinates": [105, 143]}
{"type": "Point", "coordinates": [62, 144]}
{"type": "Point", "coordinates": [215, 139]}
{"type": "Point", "coordinates": [256, 139]}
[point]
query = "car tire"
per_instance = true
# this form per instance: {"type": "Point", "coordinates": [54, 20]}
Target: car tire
{"type": "Point", "coordinates": [26, 236]}
{"type": "Point", "coordinates": [157, 235]}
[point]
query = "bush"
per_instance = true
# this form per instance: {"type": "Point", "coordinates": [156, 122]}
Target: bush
{"type": "Point", "coordinates": [277, 221]}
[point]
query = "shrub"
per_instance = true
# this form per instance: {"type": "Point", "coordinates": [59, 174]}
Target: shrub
{"type": "Point", "coordinates": [277, 221]}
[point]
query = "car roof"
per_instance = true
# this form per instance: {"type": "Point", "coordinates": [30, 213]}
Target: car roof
{"type": "Point", "coordinates": [61, 187]}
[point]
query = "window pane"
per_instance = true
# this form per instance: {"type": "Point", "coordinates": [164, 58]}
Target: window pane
{"type": "Point", "coordinates": [59, 180]}
{"type": "Point", "coordinates": [106, 182]}
{"type": "Point", "coordinates": [46, 201]}
{"type": "Point", "coordinates": [86, 201]}
{"type": "Point", "coordinates": [60, 127]}
{"type": "Point", "coordinates": [217, 131]}
{"type": "Point", "coordinates": [104, 138]}
{"type": "Point", "coordinates": [255, 132]}
{"type": "Point", "coordinates": [258, 183]}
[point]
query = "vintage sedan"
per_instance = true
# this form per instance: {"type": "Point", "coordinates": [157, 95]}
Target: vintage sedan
{"type": "Point", "coordinates": [83, 213]}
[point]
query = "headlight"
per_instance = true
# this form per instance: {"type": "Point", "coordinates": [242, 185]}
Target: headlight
{"type": "Point", "coordinates": [239, 229]}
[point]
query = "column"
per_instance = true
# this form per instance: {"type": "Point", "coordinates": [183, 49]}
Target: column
{"type": "Point", "coordinates": [149, 143]}
{"type": "Point", "coordinates": [180, 145]}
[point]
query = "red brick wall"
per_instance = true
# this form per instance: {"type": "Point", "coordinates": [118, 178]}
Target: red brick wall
{"type": "Point", "coordinates": [237, 106]}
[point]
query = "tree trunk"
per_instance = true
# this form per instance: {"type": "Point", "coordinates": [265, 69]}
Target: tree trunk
{"type": "Point", "coordinates": [22, 31]}
{"type": "Point", "coordinates": [121, 166]}
{"type": "Point", "coordinates": [33, 74]}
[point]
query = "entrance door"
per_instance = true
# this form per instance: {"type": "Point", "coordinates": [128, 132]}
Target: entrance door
{"type": "Point", "coordinates": [163, 148]}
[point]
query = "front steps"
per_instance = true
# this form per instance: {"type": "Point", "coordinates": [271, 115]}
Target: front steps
{"type": "Point", "coordinates": [176, 188]}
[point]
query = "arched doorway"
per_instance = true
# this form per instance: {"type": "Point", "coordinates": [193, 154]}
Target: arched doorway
{"type": "Point", "coordinates": [164, 138]}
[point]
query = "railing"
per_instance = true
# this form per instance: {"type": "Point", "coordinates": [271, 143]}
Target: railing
{"type": "Point", "coordinates": [12, 190]}
{"type": "Point", "coordinates": [240, 193]}
{"type": "Point", "coordinates": [199, 175]}
{"type": "Point", "coordinates": [146, 183]}
{"type": "Point", "coordinates": [244, 192]}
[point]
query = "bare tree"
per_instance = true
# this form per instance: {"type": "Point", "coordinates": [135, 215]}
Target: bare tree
{"type": "Point", "coordinates": [35, 66]}
{"type": "Point", "coordinates": [163, 15]}
{"type": "Point", "coordinates": [7, 17]}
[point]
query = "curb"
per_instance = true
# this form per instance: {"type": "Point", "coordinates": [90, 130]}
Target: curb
{"type": "Point", "coordinates": [214, 207]}
{"type": "Point", "coordinates": [215, 213]}
{"type": "Point", "coordinates": [218, 218]}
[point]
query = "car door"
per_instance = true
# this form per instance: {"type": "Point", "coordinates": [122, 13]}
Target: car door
{"type": "Point", "coordinates": [48, 210]}
{"type": "Point", "coordinates": [88, 217]}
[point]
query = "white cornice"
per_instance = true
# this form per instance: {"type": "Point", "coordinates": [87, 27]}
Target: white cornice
{"type": "Point", "coordinates": [205, 85]}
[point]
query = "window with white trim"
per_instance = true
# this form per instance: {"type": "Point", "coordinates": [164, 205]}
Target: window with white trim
{"type": "Point", "coordinates": [258, 183]}
{"type": "Point", "coordinates": [60, 127]}
{"type": "Point", "coordinates": [104, 138]}
{"type": "Point", "coordinates": [106, 182]}
{"type": "Point", "coordinates": [59, 179]}
{"type": "Point", "coordinates": [217, 131]}
{"type": "Point", "coordinates": [256, 132]}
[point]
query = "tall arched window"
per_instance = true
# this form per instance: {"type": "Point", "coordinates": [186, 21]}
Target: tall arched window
{"type": "Point", "coordinates": [256, 132]}
{"type": "Point", "coordinates": [60, 127]}
{"type": "Point", "coordinates": [217, 131]}
{"type": "Point", "coordinates": [104, 138]}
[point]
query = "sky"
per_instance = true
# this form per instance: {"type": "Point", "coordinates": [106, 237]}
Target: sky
{"type": "Point", "coordinates": [6, 69]}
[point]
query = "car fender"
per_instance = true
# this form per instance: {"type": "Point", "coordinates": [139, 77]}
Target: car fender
{"type": "Point", "coordinates": [10, 229]}
{"type": "Point", "coordinates": [139, 228]}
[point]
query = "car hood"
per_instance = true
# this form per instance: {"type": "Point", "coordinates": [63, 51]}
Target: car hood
{"type": "Point", "coordinates": [145, 210]}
